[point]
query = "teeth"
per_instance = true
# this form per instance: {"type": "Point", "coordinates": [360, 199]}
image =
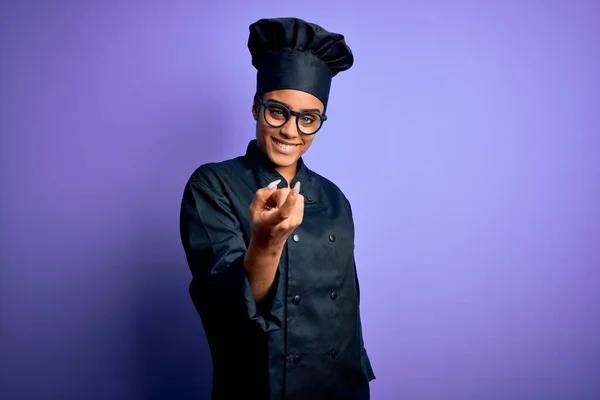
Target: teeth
{"type": "Point", "coordinates": [284, 146]}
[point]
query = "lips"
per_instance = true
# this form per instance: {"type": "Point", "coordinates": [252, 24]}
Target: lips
{"type": "Point", "coordinates": [283, 147]}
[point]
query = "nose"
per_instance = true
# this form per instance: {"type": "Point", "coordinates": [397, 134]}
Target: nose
{"type": "Point", "coordinates": [290, 129]}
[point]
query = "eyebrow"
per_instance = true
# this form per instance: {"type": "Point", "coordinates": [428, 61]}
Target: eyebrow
{"type": "Point", "coordinates": [287, 105]}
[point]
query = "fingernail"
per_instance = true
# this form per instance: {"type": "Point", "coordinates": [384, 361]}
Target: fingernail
{"type": "Point", "coordinates": [273, 184]}
{"type": "Point", "coordinates": [297, 187]}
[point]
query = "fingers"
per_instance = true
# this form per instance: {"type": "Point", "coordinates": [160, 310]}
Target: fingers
{"type": "Point", "coordinates": [298, 213]}
{"type": "Point", "coordinates": [279, 197]}
{"type": "Point", "coordinates": [273, 184]}
{"type": "Point", "coordinates": [262, 195]}
{"type": "Point", "coordinates": [279, 204]}
{"type": "Point", "coordinates": [293, 204]}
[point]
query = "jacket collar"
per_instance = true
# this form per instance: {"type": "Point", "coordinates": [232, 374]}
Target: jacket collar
{"type": "Point", "coordinates": [260, 162]}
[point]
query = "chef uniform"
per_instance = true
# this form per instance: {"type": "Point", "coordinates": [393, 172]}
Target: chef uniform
{"type": "Point", "coordinates": [304, 340]}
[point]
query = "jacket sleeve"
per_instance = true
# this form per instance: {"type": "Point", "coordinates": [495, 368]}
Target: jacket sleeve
{"type": "Point", "coordinates": [365, 357]}
{"type": "Point", "coordinates": [215, 248]}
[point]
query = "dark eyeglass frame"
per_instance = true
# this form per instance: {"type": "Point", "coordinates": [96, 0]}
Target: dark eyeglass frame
{"type": "Point", "coordinates": [288, 115]}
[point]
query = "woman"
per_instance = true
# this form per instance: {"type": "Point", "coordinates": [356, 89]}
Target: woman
{"type": "Point", "coordinates": [270, 243]}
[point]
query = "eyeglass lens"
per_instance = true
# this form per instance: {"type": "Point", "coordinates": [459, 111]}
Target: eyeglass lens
{"type": "Point", "coordinates": [277, 115]}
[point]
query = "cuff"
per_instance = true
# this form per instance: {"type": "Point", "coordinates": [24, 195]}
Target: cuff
{"type": "Point", "coordinates": [367, 365]}
{"type": "Point", "coordinates": [268, 315]}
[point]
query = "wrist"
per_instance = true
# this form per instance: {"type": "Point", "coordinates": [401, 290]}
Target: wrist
{"type": "Point", "coordinates": [266, 245]}
{"type": "Point", "coordinates": [264, 249]}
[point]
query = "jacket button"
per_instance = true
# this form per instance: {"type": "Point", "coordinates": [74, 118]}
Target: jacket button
{"type": "Point", "coordinates": [296, 238]}
{"type": "Point", "coordinates": [335, 355]}
{"type": "Point", "coordinates": [309, 199]}
{"type": "Point", "coordinates": [296, 359]}
{"type": "Point", "coordinates": [296, 299]}
{"type": "Point", "coordinates": [333, 295]}
{"type": "Point", "coordinates": [332, 238]}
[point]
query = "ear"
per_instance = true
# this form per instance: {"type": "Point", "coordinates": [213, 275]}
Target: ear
{"type": "Point", "coordinates": [255, 110]}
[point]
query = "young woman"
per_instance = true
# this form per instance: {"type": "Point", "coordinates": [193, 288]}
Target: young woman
{"type": "Point", "coordinates": [270, 243]}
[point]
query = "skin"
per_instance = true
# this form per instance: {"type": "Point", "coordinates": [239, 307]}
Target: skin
{"type": "Point", "coordinates": [276, 213]}
{"type": "Point", "coordinates": [296, 100]}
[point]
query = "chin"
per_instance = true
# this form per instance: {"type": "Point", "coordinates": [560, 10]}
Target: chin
{"type": "Point", "coordinates": [280, 158]}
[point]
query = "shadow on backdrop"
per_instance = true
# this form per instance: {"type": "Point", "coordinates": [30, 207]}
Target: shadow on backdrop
{"type": "Point", "coordinates": [173, 354]}
{"type": "Point", "coordinates": [174, 358]}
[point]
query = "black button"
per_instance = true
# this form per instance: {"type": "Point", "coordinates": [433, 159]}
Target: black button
{"type": "Point", "coordinates": [335, 355]}
{"type": "Point", "coordinates": [296, 299]}
{"type": "Point", "coordinates": [308, 198]}
{"type": "Point", "coordinates": [333, 295]}
{"type": "Point", "coordinates": [296, 238]}
{"type": "Point", "coordinates": [332, 238]}
{"type": "Point", "coordinates": [296, 359]}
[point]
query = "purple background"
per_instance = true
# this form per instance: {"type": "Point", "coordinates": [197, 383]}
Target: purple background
{"type": "Point", "coordinates": [466, 137]}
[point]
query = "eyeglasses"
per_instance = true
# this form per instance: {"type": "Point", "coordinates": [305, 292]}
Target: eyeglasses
{"type": "Point", "coordinates": [277, 115]}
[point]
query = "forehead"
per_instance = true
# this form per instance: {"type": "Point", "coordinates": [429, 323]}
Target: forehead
{"type": "Point", "coordinates": [295, 99]}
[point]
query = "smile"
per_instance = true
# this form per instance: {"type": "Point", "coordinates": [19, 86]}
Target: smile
{"type": "Point", "coordinates": [285, 148]}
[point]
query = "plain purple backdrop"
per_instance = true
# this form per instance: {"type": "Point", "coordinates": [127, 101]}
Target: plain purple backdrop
{"type": "Point", "coordinates": [466, 136]}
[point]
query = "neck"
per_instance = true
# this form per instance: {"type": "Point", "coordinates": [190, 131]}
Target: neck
{"type": "Point", "coordinates": [288, 172]}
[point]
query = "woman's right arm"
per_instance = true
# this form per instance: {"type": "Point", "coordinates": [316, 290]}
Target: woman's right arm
{"type": "Point", "coordinates": [274, 214]}
{"type": "Point", "coordinates": [261, 264]}
{"type": "Point", "coordinates": [219, 261]}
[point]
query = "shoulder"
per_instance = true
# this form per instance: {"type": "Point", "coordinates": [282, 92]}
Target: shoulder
{"type": "Point", "coordinates": [326, 184]}
{"type": "Point", "coordinates": [213, 174]}
{"type": "Point", "coordinates": [331, 189]}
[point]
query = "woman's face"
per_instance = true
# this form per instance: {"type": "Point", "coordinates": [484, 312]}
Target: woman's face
{"type": "Point", "coordinates": [285, 145]}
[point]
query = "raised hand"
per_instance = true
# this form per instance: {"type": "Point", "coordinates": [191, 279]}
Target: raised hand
{"type": "Point", "coordinates": [275, 214]}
